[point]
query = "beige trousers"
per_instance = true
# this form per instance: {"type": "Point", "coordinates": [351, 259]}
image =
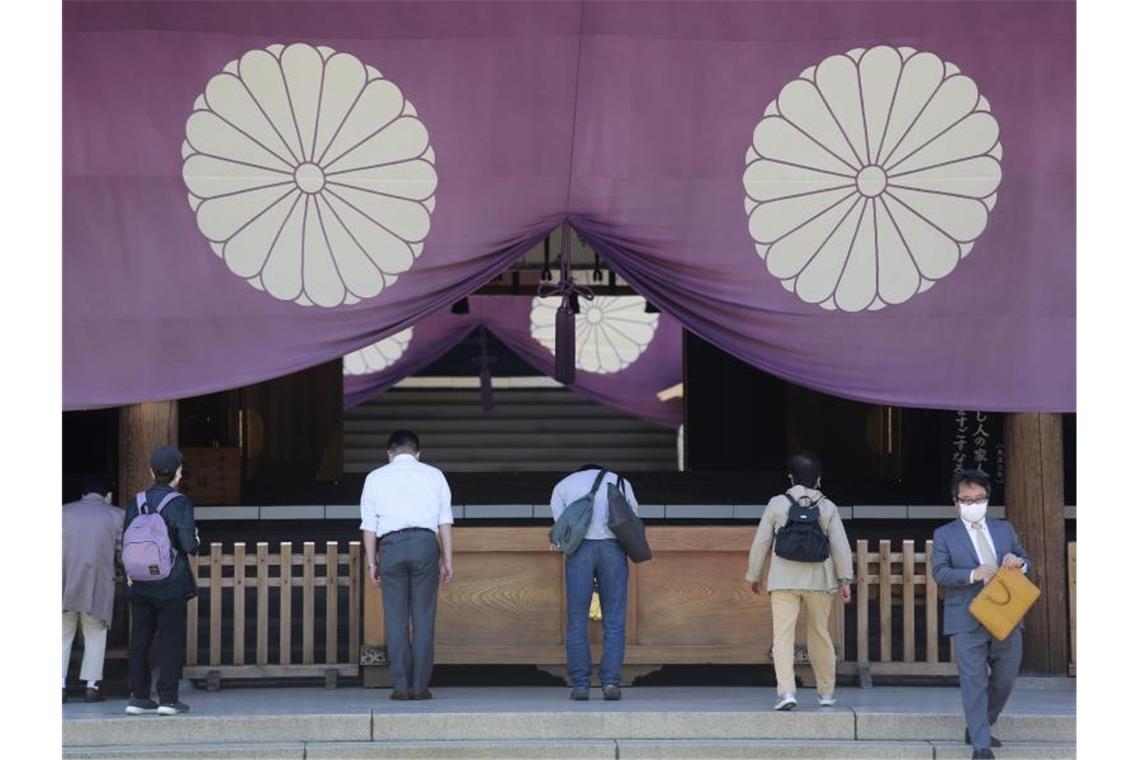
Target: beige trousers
{"type": "Point", "coordinates": [785, 610]}
{"type": "Point", "coordinates": [94, 644]}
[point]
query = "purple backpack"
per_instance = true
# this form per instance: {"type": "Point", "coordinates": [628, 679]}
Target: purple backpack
{"type": "Point", "coordinates": [147, 554]}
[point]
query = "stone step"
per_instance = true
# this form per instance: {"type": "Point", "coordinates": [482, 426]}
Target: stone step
{"type": "Point", "coordinates": [735, 749]}
{"type": "Point", "coordinates": [838, 724]}
{"type": "Point", "coordinates": [626, 749]}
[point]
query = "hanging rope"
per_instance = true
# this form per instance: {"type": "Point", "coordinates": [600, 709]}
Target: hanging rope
{"type": "Point", "coordinates": [547, 275]}
{"type": "Point", "coordinates": [564, 334]}
{"type": "Point", "coordinates": [484, 362]}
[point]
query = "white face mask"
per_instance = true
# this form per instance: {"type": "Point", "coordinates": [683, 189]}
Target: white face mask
{"type": "Point", "coordinates": [973, 512]}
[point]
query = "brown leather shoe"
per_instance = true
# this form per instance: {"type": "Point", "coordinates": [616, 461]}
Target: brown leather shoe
{"type": "Point", "coordinates": [421, 694]}
{"type": "Point", "coordinates": [93, 695]}
{"type": "Point", "coordinates": [403, 696]}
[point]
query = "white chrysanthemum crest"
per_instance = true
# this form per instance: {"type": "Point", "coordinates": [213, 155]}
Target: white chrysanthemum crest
{"type": "Point", "coordinates": [310, 175]}
{"type": "Point", "coordinates": [611, 332]}
{"type": "Point", "coordinates": [870, 176]}
{"type": "Point", "coordinates": [378, 356]}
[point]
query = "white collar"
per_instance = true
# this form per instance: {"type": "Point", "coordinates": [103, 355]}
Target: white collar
{"type": "Point", "coordinates": [800, 492]}
{"type": "Point", "coordinates": [969, 525]}
{"type": "Point", "coordinates": [404, 457]}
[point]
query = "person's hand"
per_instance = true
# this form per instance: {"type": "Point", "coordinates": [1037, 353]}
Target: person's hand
{"type": "Point", "coordinates": [445, 573]}
{"type": "Point", "coordinates": [984, 573]}
{"type": "Point", "coordinates": [374, 573]}
{"type": "Point", "coordinates": [1012, 561]}
{"type": "Point", "coordinates": [845, 592]}
{"type": "Point", "coordinates": [757, 588]}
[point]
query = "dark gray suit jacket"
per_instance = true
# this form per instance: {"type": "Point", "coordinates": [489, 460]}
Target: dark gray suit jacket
{"type": "Point", "coordinates": [955, 558]}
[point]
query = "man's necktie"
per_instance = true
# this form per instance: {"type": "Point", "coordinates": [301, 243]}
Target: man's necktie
{"type": "Point", "coordinates": [985, 553]}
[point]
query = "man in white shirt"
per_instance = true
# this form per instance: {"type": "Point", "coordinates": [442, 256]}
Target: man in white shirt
{"type": "Point", "coordinates": [966, 557]}
{"type": "Point", "coordinates": [407, 504]}
{"type": "Point", "coordinates": [599, 557]}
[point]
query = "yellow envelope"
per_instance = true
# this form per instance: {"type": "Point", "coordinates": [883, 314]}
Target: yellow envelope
{"type": "Point", "coordinates": [1003, 602]}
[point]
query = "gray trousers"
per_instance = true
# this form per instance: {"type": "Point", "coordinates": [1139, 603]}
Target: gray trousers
{"type": "Point", "coordinates": [987, 669]}
{"type": "Point", "coordinates": [409, 584]}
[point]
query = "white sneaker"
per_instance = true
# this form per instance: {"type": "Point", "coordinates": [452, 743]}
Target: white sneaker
{"type": "Point", "coordinates": [785, 702]}
{"type": "Point", "coordinates": [827, 700]}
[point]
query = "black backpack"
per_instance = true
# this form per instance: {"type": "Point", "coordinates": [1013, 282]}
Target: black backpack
{"type": "Point", "coordinates": [801, 539]}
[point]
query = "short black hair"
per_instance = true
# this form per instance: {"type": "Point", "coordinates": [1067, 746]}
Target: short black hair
{"type": "Point", "coordinates": [976, 477]}
{"type": "Point", "coordinates": [805, 469]}
{"type": "Point", "coordinates": [96, 483]}
{"type": "Point", "coordinates": [164, 478]}
{"type": "Point", "coordinates": [403, 439]}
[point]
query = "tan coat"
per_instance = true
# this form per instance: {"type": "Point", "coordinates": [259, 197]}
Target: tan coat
{"type": "Point", "coordinates": [789, 575]}
{"type": "Point", "coordinates": [92, 530]}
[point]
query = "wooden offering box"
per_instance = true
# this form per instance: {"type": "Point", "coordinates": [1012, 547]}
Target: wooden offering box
{"type": "Point", "coordinates": [689, 604]}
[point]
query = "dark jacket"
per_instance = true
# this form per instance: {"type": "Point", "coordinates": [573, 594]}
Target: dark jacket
{"type": "Point", "coordinates": [179, 518]}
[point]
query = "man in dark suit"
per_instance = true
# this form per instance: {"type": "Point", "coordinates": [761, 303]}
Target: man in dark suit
{"type": "Point", "coordinates": [967, 553]}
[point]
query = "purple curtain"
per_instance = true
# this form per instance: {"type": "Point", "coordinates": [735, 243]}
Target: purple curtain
{"type": "Point", "coordinates": [632, 389]}
{"type": "Point", "coordinates": [872, 199]}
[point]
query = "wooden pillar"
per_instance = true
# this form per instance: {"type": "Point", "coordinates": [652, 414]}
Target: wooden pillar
{"type": "Point", "coordinates": [1035, 505]}
{"type": "Point", "coordinates": [142, 429]}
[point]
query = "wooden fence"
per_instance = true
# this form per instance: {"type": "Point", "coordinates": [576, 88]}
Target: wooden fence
{"type": "Point", "coordinates": [910, 585]}
{"type": "Point", "coordinates": [900, 583]}
{"type": "Point", "coordinates": [256, 614]}
{"type": "Point", "coordinates": [272, 584]}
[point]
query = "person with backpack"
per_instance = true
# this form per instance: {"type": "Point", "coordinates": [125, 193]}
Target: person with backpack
{"type": "Point", "coordinates": [593, 555]}
{"type": "Point", "coordinates": [158, 534]}
{"type": "Point", "coordinates": [810, 561]}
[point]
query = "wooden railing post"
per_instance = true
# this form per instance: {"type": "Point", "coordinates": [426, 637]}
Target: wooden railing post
{"type": "Point", "coordinates": [286, 606]}
{"type": "Point", "coordinates": [239, 604]}
{"type": "Point", "coordinates": [885, 601]}
{"type": "Point", "coordinates": [908, 600]}
{"type": "Point", "coordinates": [307, 594]}
{"type": "Point", "coordinates": [262, 603]}
{"type": "Point", "coordinates": [1072, 607]}
{"type": "Point", "coordinates": [332, 559]}
{"type": "Point", "coordinates": [931, 606]}
{"type": "Point", "coordinates": [862, 573]}
{"type": "Point", "coordinates": [215, 603]}
{"type": "Point", "coordinates": [355, 595]}
{"type": "Point", "coordinates": [192, 616]}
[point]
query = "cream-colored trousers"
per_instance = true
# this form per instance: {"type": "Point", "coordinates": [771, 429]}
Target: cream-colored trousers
{"type": "Point", "coordinates": [94, 644]}
{"type": "Point", "coordinates": [785, 610]}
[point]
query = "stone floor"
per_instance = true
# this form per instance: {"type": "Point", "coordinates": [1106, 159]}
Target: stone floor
{"type": "Point", "coordinates": [1058, 698]}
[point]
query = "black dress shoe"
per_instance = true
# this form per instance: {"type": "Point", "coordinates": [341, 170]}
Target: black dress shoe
{"type": "Point", "coordinates": [580, 695]}
{"type": "Point", "coordinates": [93, 694]}
{"type": "Point", "coordinates": [403, 696]}
{"type": "Point", "coordinates": [421, 694]}
{"type": "Point", "coordinates": [611, 692]}
{"type": "Point", "coordinates": [982, 754]}
{"type": "Point", "coordinates": [994, 741]}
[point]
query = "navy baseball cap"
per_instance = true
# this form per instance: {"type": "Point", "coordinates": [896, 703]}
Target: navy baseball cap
{"type": "Point", "coordinates": [165, 460]}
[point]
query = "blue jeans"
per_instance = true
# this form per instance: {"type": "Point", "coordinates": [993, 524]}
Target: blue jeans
{"type": "Point", "coordinates": [606, 561]}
